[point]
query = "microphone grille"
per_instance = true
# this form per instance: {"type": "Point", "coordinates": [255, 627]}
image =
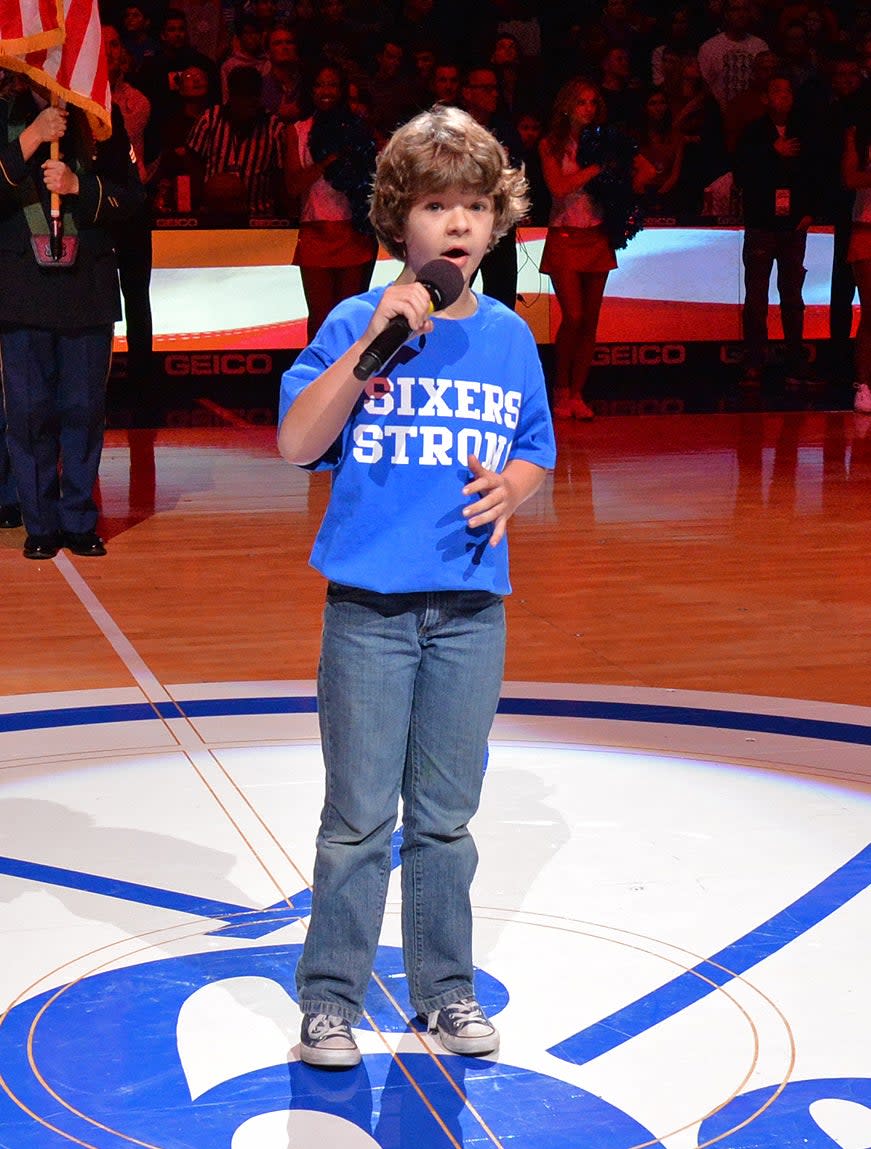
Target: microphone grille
{"type": "Point", "coordinates": [443, 280]}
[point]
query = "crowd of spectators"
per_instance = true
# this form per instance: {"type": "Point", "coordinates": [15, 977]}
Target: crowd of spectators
{"type": "Point", "coordinates": [684, 79]}
{"type": "Point", "coordinates": [740, 109]}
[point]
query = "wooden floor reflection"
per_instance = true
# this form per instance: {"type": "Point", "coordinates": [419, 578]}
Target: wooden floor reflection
{"type": "Point", "coordinates": [722, 553]}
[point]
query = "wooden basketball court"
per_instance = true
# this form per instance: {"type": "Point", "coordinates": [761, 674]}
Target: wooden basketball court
{"type": "Point", "coordinates": [672, 903]}
{"type": "Point", "coordinates": [723, 552]}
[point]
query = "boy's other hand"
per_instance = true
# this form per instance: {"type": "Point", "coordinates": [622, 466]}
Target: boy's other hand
{"type": "Point", "coordinates": [498, 500]}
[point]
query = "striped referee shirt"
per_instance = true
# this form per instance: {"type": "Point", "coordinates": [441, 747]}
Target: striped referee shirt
{"type": "Point", "coordinates": [257, 156]}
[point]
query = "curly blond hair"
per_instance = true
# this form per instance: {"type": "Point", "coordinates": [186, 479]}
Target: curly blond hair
{"type": "Point", "coordinates": [436, 150]}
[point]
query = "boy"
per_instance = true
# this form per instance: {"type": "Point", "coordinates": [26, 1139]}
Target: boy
{"type": "Point", "coordinates": [429, 462]}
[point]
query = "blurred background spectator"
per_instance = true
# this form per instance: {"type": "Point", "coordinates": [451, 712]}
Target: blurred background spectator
{"type": "Point", "coordinates": [516, 74]}
{"type": "Point", "coordinates": [725, 59]}
{"type": "Point", "coordinates": [748, 105]}
{"type": "Point", "coordinates": [446, 82]}
{"type": "Point", "coordinates": [856, 170]}
{"type": "Point", "coordinates": [530, 128]}
{"type": "Point", "coordinates": [620, 87]}
{"type": "Point", "coordinates": [331, 35]}
{"type": "Point", "coordinates": [282, 80]}
{"type": "Point", "coordinates": [160, 75]}
{"type": "Point", "coordinates": [132, 237]}
{"type": "Point", "coordinates": [776, 164]}
{"type": "Point", "coordinates": [662, 145]}
{"type": "Point", "coordinates": [686, 77]}
{"type": "Point", "coordinates": [329, 160]}
{"type": "Point", "coordinates": [136, 34]}
{"type": "Point", "coordinates": [849, 94]}
{"type": "Point", "coordinates": [207, 27]}
{"type": "Point", "coordinates": [248, 50]}
{"type": "Point", "coordinates": [237, 150]}
{"type": "Point", "coordinates": [479, 96]}
{"type": "Point", "coordinates": [681, 40]}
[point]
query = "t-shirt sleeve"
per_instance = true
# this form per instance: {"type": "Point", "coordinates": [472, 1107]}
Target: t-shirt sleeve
{"type": "Point", "coordinates": [340, 329]}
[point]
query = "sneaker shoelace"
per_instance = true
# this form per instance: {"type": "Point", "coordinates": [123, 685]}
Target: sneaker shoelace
{"type": "Point", "coordinates": [325, 1025]}
{"type": "Point", "coordinates": [468, 1012]}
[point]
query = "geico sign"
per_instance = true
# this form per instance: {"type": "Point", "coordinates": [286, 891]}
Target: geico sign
{"type": "Point", "coordinates": [180, 222]}
{"type": "Point", "coordinates": [733, 353]}
{"type": "Point", "coordinates": [640, 355]}
{"type": "Point", "coordinates": [226, 363]}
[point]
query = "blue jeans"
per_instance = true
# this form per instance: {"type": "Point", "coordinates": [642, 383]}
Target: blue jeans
{"type": "Point", "coordinates": [407, 689]}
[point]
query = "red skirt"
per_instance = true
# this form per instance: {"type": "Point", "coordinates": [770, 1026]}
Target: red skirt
{"type": "Point", "coordinates": [577, 249]}
{"type": "Point", "coordinates": [332, 243]}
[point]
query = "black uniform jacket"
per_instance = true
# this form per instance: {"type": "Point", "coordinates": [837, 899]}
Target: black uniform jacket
{"type": "Point", "coordinates": [86, 294]}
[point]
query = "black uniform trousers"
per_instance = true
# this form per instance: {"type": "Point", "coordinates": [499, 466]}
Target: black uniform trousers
{"type": "Point", "coordinates": [498, 270]}
{"type": "Point", "coordinates": [55, 400]}
{"type": "Point", "coordinates": [133, 251]}
{"type": "Point", "coordinates": [843, 291]}
{"type": "Point", "coordinates": [8, 490]}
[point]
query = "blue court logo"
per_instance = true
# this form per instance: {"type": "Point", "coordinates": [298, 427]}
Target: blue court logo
{"type": "Point", "coordinates": [100, 1063]}
{"type": "Point", "coordinates": [126, 1057]}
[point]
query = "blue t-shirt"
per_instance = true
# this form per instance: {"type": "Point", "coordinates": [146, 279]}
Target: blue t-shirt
{"type": "Point", "coordinates": [473, 386]}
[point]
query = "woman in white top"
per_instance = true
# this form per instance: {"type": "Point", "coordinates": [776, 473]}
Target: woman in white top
{"type": "Point", "coordinates": [577, 253]}
{"type": "Point", "coordinates": [329, 166]}
{"type": "Point", "coordinates": [856, 174]}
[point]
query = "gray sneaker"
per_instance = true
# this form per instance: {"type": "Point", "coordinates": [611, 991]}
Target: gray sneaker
{"type": "Point", "coordinates": [463, 1027]}
{"type": "Point", "coordinates": [326, 1040]}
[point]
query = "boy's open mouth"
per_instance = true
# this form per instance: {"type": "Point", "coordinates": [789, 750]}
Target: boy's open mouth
{"type": "Point", "coordinates": [454, 253]}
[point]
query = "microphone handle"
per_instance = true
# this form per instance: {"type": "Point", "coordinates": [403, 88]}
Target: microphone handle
{"type": "Point", "coordinates": [382, 348]}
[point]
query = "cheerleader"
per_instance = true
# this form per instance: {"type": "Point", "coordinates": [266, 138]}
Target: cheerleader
{"type": "Point", "coordinates": [329, 166]}
{"type": "Point", "coordinates": [589, 172]}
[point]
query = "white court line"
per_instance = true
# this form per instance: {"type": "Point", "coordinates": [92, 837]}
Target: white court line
{"type": "Point", "coordinates": [139, 670]}
{"type": "Point", "coordinates": [217, 781]}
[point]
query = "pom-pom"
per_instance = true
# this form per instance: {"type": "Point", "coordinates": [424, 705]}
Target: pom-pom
{"type": "Point", "coordinates": [614, 152]}
{"type": "Point", "coordinates": [341, 134]}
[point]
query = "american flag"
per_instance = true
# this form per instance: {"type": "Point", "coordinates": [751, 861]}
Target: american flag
{"type": "Point", "coordinates": [58, 43]}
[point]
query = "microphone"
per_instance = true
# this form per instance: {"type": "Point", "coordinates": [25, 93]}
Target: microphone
{"type": "Point", "coordinates": [443, 281]}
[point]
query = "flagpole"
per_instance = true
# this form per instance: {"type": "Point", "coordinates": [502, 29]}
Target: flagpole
{"type": "Point", "coordinates": [56, 230]}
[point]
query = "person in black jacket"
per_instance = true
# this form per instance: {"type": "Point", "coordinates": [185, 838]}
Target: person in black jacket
{"type": "Point", "coordinates": [776, 164]}
{"type": "Point", "coordinates": [849, 96]}
{"type": "Point", "coordinates": [56, 321]}
{"type": "Point", "coordinates": [479, 96]}
{"type": "Point", "coordinates": [10, 511]}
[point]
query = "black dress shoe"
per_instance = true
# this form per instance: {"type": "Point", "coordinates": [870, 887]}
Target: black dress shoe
{"type": "Point", "coordinates": [86, 543]}
{"type": "Point", "coordinates": [40, 546]}
{"type": "Point", "coordinates": [10, 516]}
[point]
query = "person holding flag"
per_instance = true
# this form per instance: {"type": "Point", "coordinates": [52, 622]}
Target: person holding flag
{"type": "Point", "coordinates": [67, 174]}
